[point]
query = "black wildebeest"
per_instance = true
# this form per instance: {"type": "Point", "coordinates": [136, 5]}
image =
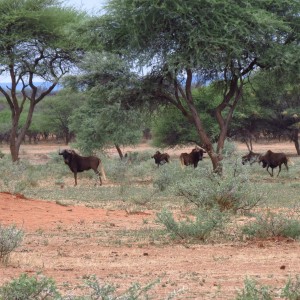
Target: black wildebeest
{"type": "Point", "coordinates": [251, 157]}
{"type": "Point", "coordinates": [161, 158]}
{"type": "Point", "coordinates": [191, 158]}
{"type": "Point", "coordinates": [274, 160]}
{"type": "Point", "coordinates": [79, 163]}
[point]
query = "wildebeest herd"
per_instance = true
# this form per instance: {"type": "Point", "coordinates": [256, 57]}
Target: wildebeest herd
{"type": "Point", "coordinates": [186, 159]}
{"type": "Point", "coordinates": [79, 163]}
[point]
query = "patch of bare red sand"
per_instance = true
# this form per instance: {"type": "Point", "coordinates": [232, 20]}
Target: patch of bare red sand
{"type": "Point", "coordinates": [69, 242]}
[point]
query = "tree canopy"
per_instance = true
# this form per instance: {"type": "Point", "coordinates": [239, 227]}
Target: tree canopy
{"type": "Point", "coordinates": [220, 41]}
{"type": "Point", "coordinates": [35, 45]}
{"type": "Point", "coordinates": [108, 117]}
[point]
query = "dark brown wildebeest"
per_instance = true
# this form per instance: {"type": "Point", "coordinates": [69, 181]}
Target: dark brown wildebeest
{"type": "Point", "coordinates": [274, 160]}
{"type": "Point", "coordinates": [191, 158]}
{"type": "Point", "coordinates": [79, 163]}
{"type": "Point", "coordinates": [251, 157]}
{"type": "Point", "coordinates": [161, 158]}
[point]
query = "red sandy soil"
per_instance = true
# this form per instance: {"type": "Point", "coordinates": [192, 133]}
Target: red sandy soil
{"type": "Point", "coordinates": [68, 243]}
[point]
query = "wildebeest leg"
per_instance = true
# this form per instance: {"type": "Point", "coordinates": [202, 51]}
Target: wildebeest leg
{"type": "Point", "coordinates": [279, 170]}
{"type": "Point", "coordinates": [98, 173]}
{"type": "Point", "coordinates": [75, 177]}
{"type": "Point", "coordinates": [286, 165]}
{"type": "Point", "coordinates": [269, 171]}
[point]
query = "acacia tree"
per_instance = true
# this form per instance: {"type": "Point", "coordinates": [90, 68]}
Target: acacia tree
{"type": "Point", "coordinates": [34, 47]}
{"type": "Point", "coordinates": [220, 41]}
{"type": "Point", "coordinates": [109, 116]}
{"type": "Point", "coordinates": [53, 115]}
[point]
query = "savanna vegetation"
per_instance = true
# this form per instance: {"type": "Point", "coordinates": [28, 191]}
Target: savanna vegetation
{"type": "Point", "coordinates": [204, 73]}
{"type": "Point", "coordinates": [192, 206]}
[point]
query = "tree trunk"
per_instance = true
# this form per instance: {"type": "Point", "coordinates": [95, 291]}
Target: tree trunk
{"type": "Point", "coordinates": [207, 144]}
{"type": "Point", "coordinates": [16, 137]}
{"type": "Point", "coordinates": [295, 140]}
{"type": "Point", "coordinates": [13, 145]}
{"type": "Point", "coordinates": [119, 151]}
{"type": "Point", "coordinates": [67, 136]}
{"type": "Point", "coordinates": [14, 148]}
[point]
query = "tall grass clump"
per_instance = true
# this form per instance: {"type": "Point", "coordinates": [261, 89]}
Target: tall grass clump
{"type": "Point", "coordinates": [200, 227]}
{"type": "Point", "coordinates": [15, 177]}
{"type": "Point", "coordinates": [270, 224]}
{"type": "Point", "coordinates": [10, 238]}
{"type": "Point", "coordinates": [233, 190]}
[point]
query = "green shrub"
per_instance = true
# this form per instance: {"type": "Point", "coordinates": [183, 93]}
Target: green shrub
{"type": "Point", "coordinates": [10, 239]}
{"type": "Point", "coordinates": [124, 171]}
{"type": "Point", "coordinates": [165, 177]}
{"type": "Point", "coordinates": [232, 191]}
{"type": "Point", "coordinates": [140, 171]}
{"type": "Point", "coordinates": [252, 291]}
{"type": "Point", "coordinates": [30, 288]}
{"type": "Point", "coordinates": [16, 176]}
{"type": "Point", "coordinates": [43, 288]}
{"type": "Point", "coordinates": [117, 170]}
{"type": "Point", "coordinates": [109, 291]}
{"type": "Point", "coordinates": [55, 158]}
{"type": "Point", "coordinates": [138, 157]}
{"type": "Point", "coordinates": [270, 224]}
{"type": "Point", "coordinates": [291, 290]}
{"type": "Point", "coordinates": [199, 228]}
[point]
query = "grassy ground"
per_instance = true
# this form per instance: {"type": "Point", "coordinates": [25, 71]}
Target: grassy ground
{"type": "Point", "coordinates": [139, 183]}
{"type": "Point", "coordinates": [126, 233]}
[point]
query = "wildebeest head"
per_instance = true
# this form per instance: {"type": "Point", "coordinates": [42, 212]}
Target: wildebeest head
{"type": "Point", "coordinates": [264, 163]}
{"type": "Point", "coordinates": [251, 157]}
{"type": "Point", "coordinates": [157, 153]}
{"type": "Point", "coordinates": [198, 153]}
{"type": "Point", "coordinates": [262, 160]}
{"type": "Point", "coordinates": [67, 155]}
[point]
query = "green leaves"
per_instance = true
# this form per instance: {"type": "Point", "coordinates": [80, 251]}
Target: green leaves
{"type": "Point", "coordinates": [195, 31]}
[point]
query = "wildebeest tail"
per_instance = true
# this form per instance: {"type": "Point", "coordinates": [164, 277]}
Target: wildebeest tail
{"type": "Point", "coordinates": [182, 161]}
{"type": "Point", "coordinates": [102, 170]}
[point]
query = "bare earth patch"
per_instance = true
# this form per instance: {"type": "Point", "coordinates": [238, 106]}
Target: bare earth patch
{"type": "Point", "coordinates": [68, 243]}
